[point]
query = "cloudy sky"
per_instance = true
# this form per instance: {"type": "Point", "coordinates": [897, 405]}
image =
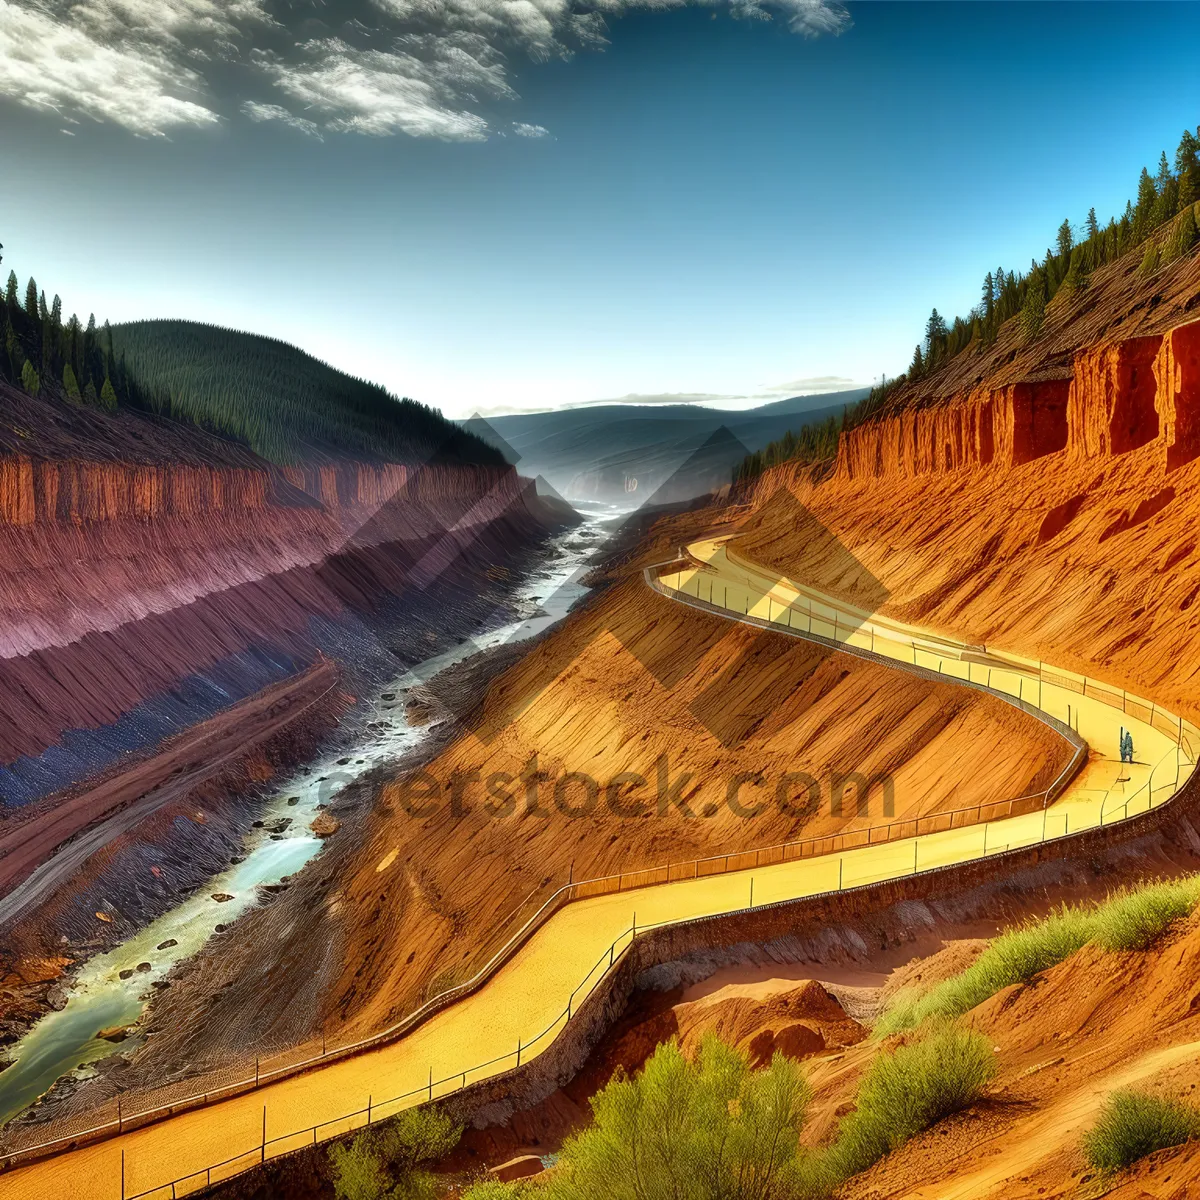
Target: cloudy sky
{"type": "Point", "coordinates": [493, 204]}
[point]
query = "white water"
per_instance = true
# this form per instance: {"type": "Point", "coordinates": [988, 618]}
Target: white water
{"type": "Point", "coordinates": [64, 1042]}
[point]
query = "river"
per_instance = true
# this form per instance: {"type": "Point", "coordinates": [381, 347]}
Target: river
{"type": "Point", "coordinates": [111, 990]}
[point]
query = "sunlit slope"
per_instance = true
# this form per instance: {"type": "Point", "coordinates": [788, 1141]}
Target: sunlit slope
{"type": "Point", "coordinates": [528, 1000]}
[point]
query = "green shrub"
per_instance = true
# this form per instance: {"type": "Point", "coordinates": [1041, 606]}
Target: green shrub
{"type": "Point", "coordinates": [712, 1129]}
{"type": "Point", "coordinates": [1130, 919]}
{"type": "Point", "coordinates": [902, 1095]}
{"type": "Point", "coordinates": [385, 1161]}
{"type": "Point", "coordinates": [1014, 957]}
{"type": "Point", "coordinates": [1134, 1124]}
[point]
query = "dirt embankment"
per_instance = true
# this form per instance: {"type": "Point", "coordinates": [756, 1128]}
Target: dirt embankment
{"type": "Point", "coordinates": [1087, 556]}
{"type": "Point", "coordinates": [645, 718]}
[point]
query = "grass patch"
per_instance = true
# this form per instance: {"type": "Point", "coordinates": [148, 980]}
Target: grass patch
{"type": "Point", "coordinates": [1134, 1124]}
{"type": "Point", "coordinates": [1130, 919]}
{"type": "Point", "coordinates": [902, 1095]}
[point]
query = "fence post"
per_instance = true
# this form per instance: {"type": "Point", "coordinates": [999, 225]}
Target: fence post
{"type": "Point", "coordinates": [431, 1083]}
{"type": "Point", "coordinates": [256, 1070]}
{"type": "Point", "coordinates": [368, 1110]}
{"type": "Point", "coordinates": [119, 1118]}
{"type": "Point", "coordinates": [751, 891]}
{"type": "Point", "coordinates": [841, 862]}
{"type": "Point", "coordinates": [264, 1141]}
{"type": "Point", "coordinates": [122, 1173]}
{"type": "Point", "coordinates": [915, 845]}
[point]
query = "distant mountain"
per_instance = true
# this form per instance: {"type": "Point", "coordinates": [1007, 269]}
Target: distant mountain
{"type": "Point", "coordinates": [624, 452]}
{"type": "Point", "coordinates": [285, 404]}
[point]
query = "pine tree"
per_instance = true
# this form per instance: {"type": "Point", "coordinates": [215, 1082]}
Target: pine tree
{"type": "Point", "coordinates": [70, 383]}
{"type": "Point", "coordinates": [1077, 274]}
{"type": "Point", "coordinates": [989, 295]}
{"type": "Point", "coordinates": [1143, 213]}
{"type": "Point", "coordinates": [935, 334]}
{"type": "Point", "coordinates": [1167, 188]}
{"type": "Point", "coordinates": [10, 293]}
{"type": "Point", "coordinates": [108, 397]}
{"type": "Point", "coordinates": [31, 300]}
{"type": "Point", "coordinates": [1066, 240]}
{"type": "Point", "coordinates": [1187, 156]}
{"type": "Point", "coordinates": [29, 379]}
{"type": "Point", "coordinates": [1091, 226]}
{"type": "Point", "coordinates": [89, 394]}
{"type": "Point", "coordinates": [918, 364]}
{"type": "Point", "coordinates": [1149, 261]}
{"type": "Point", "coordinates": [1033, 309]}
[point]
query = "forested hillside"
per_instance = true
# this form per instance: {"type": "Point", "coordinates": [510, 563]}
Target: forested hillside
{"type": "Point", "coordinates": [282, 403]}
{"type": "Point", "coordinates": [1134, 274]}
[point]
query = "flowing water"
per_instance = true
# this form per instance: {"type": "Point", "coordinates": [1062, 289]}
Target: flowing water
{"type": "Point", "coordinates": [111, 990]}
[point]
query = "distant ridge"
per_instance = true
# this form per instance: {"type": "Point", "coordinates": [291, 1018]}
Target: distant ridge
{"type": "Point", "coordinates": [285, 404]}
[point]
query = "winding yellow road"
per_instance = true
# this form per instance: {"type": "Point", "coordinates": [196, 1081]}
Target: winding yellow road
{"type": "Point", "coordinates": [524, 1005]}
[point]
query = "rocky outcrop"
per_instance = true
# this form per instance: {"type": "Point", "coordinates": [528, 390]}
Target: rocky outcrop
{"type": "Point", "coordinates": [1177, 395]}
{"type": "Point", "coordinates": [1119, 397]}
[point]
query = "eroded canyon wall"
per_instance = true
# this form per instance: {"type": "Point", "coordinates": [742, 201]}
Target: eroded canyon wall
{"type": "Point", "coordinates": [1118, 398]}
{"type": "Point", "coordinates": [153, 576]}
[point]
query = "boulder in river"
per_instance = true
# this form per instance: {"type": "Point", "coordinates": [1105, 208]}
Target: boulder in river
{"type": "Point", "coordinates": [325, 825]}
{"type": "Point", "coordinates": [114, 1034]}
{"type": "Point", "coordinates": [167, 944]}
{"type": "Point", "coordinates": [143, 967]}
{"type": "Point", "coordinates": [222, 897]}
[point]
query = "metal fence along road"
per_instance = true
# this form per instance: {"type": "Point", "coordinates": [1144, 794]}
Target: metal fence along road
{"type": "Point", "coordinates": [1078, 799]}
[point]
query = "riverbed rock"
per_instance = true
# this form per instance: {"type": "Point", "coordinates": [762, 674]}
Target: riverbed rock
{"type": "Point", "coordinates": [126, 974]}
{"type": "Point", "coordinates": [143, 967]}
{"type": "Point", "coordinates": [220, 928]}
{"type": "Point", "coordinates": [293, 801]}
{"type": "Point", "coordinates": [115, 1034]}
{"type": "Point", "coordinates": [222, 897]}
{"type": "Point", "coordinates": [325, 825]}
{"type": "Point", "coordinates": [56, 999]}
{"type": "Point", "coordinates": [167, 944]}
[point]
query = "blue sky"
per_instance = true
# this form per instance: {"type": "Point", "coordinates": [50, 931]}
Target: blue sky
{"type": "Point", "coordinates": [717, 206]}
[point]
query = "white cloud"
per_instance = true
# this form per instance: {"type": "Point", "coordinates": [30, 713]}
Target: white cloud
{"type": "Point", "coordinates": [418, 89]}
{"type": "Point", "coordinates": [276, 112]}
{"type": "Point", "coordinates": [49, 64]}
{"type": "Point", "coordinates": [137, 63]}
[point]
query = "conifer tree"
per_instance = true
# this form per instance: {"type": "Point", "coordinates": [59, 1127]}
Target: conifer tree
{"type": "Point", "coordinates": [1033, 309]}
{"type": "Point", "coordinates": [989, 295]}
{"type": "Point", "coordinates": [70, 383]}
{"type": "Point", "coordinates": [935, 335]}
{"type": "Point", "coordinates": [918, 364]}
{"type": "Point", "coordinates": [1149, 260]}
{"type": "Point", "coordinates": [108, 396]}
{"type": "Point", "coordinates": [31, 300]}
{"type": "Point", "coordinates": [1143, 213]}
{"type": "Point", "coordinates": [10, 293]}
{"type": "Point", "coordinates": [1066, 240]}
{"type": "Point", "coordinates": [1091, 226]}
{"type": "Point", "coordinates": [29, 378]}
